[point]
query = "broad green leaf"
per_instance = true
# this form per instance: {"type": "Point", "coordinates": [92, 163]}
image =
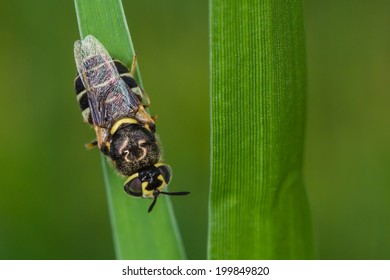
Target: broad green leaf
{"type": "Point", "coordinates": [136, 234]}
{"type": "Point", "coordinates": [258, 205]}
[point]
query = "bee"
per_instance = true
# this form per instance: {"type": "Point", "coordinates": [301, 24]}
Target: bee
{"type": "Point", "coordinates": [114, 104]}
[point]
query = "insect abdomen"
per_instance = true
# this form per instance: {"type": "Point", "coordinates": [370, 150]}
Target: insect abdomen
{"type": "Point", "coordinates": [82, 96]}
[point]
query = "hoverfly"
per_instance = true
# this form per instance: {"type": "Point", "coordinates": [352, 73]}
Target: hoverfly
{"type": "Point", "coordinates": [114, 104]}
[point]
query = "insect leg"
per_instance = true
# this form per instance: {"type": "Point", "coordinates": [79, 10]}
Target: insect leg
{"type": "Point", "coordinates": [134, 64]}
{"type": "Point", "coordinates": [91, 145]}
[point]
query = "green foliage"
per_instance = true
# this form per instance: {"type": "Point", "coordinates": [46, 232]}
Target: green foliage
{"type": "Point", "coordinates": [53, 189]}
{"type": "Point", "coordinates": [258, 206]}
{"type": "Point", "coordinates": [137, 234]}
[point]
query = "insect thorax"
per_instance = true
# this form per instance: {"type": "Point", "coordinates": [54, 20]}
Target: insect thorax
{"type": "Point", "coordinates": [133, 148]}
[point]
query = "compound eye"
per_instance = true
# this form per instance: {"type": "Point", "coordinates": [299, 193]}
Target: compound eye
{"type": "Point", "coordinates": [134, 187]}
{"type": "Point", "coordinates": [166, 172]}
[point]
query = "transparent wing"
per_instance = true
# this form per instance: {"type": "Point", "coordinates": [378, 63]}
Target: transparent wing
{"type": "Point", "coordinates": [116, 102]}
{"type": "Point", "coordinates": [108, 95]}
{"type": "Point", "coordinates": [90, 55]}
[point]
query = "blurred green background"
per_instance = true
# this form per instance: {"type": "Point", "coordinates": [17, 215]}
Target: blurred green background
{"type": "Point", "coordinates": [52, 196]}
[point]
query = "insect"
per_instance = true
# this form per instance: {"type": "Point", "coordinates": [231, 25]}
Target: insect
{"type": "Point", "coordinates": [114, 104]}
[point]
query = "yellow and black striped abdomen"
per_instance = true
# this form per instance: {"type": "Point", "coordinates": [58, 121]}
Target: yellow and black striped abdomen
{"type": "Point", "coordinates": [82, 96]}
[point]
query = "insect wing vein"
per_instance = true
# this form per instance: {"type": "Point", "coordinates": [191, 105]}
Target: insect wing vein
{"type": "Point", "coordinates": [109, 97]}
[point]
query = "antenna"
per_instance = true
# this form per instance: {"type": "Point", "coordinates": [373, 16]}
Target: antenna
{"type": "Point", "coordinates": [157, 193]}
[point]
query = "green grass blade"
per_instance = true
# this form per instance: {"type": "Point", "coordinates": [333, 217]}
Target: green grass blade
{"type": "Point", "coordinates": [258, 204]}
{"type": "Point", "coordinates": [137, 234]}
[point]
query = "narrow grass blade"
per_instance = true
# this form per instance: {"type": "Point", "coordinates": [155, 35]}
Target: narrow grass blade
{"type": "Point", "coordinates": [258, 205]}
{"type": "Point", "coordinates": [137, 234]}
